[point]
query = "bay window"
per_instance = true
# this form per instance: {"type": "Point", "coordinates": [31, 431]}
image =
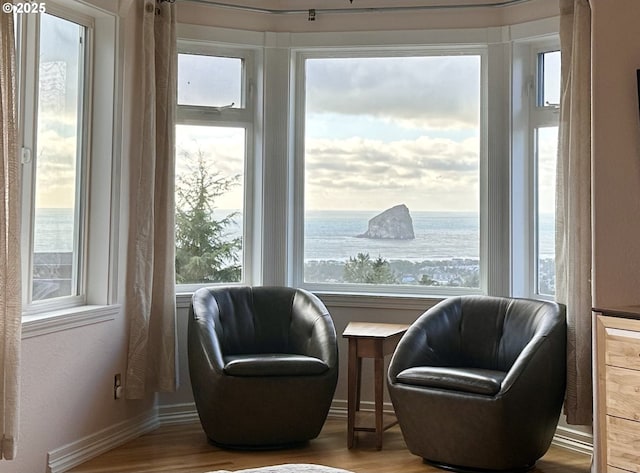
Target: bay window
{"type": "Point", "coordinates": [55, 162]}
{"type": "Point", "coordinates": [391, 167]}
{"type": "Point", "coordinates": [399, 135]}
{"type": "Point", "coordinates": [544, 128]}
{"type": "Point", "coordinates": [69, 226]}
{"type": "Point", "coordinates": [213, 152]}
{"type": "Point", "coordinates": [536, 104]}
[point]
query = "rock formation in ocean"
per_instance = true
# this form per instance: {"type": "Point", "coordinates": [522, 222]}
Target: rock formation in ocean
{"type": "Point", "coordinates": [392, 224]}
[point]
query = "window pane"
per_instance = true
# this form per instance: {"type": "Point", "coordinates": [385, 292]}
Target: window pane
{"type": "Point", "coordinates": [549, 64]}
{"type": "Point", "coordinates": [209, 80]}
{"type": "Point", "coordinates": [397, 133]}
{"type": "Point", "coordinates": [547, 150]}
{"type": "Point", "coordinates": [209, 204]}
{"type": "Point", "coordinates": [57, 184]}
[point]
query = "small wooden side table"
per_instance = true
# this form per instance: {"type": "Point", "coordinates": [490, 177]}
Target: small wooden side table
{"type": "Point", "coordinates": [369, 340]}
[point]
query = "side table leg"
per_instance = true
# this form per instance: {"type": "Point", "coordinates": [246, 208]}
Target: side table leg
{"type": "Point", "coordinates": [379, 393]}
{"type": "Point", "coordinates": [358, 382]}
{"type": "Point", "coordinates": [352, 391]}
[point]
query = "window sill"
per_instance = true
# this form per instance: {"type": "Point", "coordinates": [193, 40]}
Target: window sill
{"type": "Point", "coordinates": [66, 319]}
{"type": "Point", "coordinates": [183, 300]}
{"type": "Point", "coordinates": [377, 301]}
{"type": "Point", "coordinates": [354, 300]}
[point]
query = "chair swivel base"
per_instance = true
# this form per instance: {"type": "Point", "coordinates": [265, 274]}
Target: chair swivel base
{"type": "Point", "coordinates": [466, 469]}
{"type": "Point", "coordinates": [259, 447]}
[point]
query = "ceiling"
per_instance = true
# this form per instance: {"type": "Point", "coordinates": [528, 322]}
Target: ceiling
{"type": "Point", "coordinates": [299, 6]}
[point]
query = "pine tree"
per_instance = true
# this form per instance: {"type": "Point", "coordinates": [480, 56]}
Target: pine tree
{"type": "Point", "coordinates": [205, 252]}
{"type": "Point", "coordinates": [362, 269]}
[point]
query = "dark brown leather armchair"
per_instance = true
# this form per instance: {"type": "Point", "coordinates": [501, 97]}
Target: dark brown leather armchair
{"type": "Point", "coordinates": [263, 363]}
{"type": "Point", "coordinates": [478, 382]}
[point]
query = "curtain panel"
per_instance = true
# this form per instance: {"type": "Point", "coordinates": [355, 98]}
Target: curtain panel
{"type": "Point", "coordinates": [10, 285]}
{"type": "Point", "coordinates": [573, 205]}
{"type": "Point", "coordinates": [150, 299]}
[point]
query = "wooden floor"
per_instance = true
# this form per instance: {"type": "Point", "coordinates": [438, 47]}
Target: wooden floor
{"type": "Point", "coordinates": [184, 449]}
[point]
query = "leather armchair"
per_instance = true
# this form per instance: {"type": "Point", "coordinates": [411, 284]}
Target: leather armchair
{"type": "Point", "coordinates": [478, 382]}
{"type": "Point", "coordinates": [263, 363]}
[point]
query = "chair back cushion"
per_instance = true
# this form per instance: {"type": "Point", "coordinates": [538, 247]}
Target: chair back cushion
{"type": "Point", "coordinates": [486, 332]}
{"type": "Point", "coordinates": [267, 320]}
{"type": "Point", "coordinates": [249, 321]}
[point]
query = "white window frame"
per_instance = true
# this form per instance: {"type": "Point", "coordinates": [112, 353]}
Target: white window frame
{"type": "Point", "coordinates": [243, 116]}
{"type": "Point", "coordinates": [297, 247]}
{"type": "Point", "coordinates": [528, 116]}
{"type": "Point", "coordinates": [278, 170]}
{"type": "Point", "coordinates": [98, 263]}
{"type": "Point", "coordinates": [541, 116]}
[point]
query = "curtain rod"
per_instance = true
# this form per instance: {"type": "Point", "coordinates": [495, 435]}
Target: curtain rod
{"type": "Point", "coordinates": [247, 8]}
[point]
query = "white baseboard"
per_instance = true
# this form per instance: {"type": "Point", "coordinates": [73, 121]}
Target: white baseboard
{"type": "Point", "coordinates": [73, 454]}
{"type": "Point", "coordinates": [175, 414]}
{"type": "Point", "coordinates": [338, 408]}
{"type": "Point", "coordinates": [574, 440]}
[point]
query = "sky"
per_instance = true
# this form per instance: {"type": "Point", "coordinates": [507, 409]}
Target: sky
{"type": "Point", "coordinates": [381, 131]}
{"type": "Point", "coordinates": [225, 147]}
{"type": "Point", "coordinates": [58, 113]}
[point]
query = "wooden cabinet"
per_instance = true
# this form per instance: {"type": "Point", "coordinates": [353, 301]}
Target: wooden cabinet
{"type": "Point", "coordinates": [618, 385]}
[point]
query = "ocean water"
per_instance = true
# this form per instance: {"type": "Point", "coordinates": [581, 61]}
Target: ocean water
{"type": "Point", "coordinates": [53, 231]}
{"type": "Point", "coordinates": [332, 235]}
{"type": "Point", "coordinates": [438, 236]}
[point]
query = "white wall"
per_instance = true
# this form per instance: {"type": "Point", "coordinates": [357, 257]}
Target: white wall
{"type": "Point", "coordinates": [66, 390]}
{"type": "Point", "coordinates": [616, 153]}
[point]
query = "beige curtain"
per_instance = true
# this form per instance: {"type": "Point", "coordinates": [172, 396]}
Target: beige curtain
{"type": "Point", "coordinates": [10, 298]}
{"type": "Point", "coordinates": [150, 301]}
{"type": "Point", "coordinates": [573, 205]}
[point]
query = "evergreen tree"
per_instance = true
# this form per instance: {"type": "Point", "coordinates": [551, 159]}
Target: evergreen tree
{"type": "Point", "coordinates": [427, 280]}
{"type": "Point", "coordinates": [362, 269]}
{"type": "Point", "coordinates": [205, 252]}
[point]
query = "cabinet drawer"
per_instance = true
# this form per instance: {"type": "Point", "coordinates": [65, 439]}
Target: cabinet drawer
{"type": "Point", "coordinates": [623, 444]}
{"type": "Point", "coordinates": [623, 392]}
{"type": "Point", "coordinates": [622, 348]}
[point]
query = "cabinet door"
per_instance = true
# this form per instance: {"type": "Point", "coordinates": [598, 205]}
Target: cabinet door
{"type": "Point", "coordinates": [623, 392]}
{"type": "Point", "coordinates": [623, 436]}
{"type": "Point", "coordinates": [622, 348]}
{"type": "Point", "coordinates": [618, 394]}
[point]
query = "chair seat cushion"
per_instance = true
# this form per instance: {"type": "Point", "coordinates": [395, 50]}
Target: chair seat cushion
{"type": "Point", "coordinates": [471, 380]}
{"type": "Point", "coordinates": [273, 364]}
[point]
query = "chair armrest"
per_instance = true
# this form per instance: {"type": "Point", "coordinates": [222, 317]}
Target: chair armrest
{"type": "Point", "coordinates": [313, 333]}
{"type": "Point", "coordinates": [203, 344]}
{"type": "Point", "coordinates": [412, 351]}
{"type": "Point", "coordinates": [542, 362]}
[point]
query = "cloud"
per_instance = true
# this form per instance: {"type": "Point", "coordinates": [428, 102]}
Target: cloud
{"type": "Point", "coordinates": [56, 166]}
{"type": "Point", "coordinates": [224, 149]}
{"type": "Point", "coordinates": [356, 173]}
{"type": "Point", "coordinates": [422, 92]}
{"type": "Point", "coordinates": [547, 158]}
